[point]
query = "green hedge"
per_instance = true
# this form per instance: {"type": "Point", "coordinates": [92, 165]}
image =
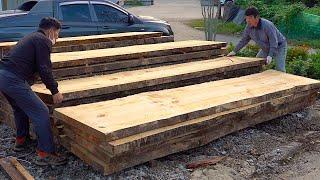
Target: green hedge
{"type": "Point", "coordinates": [298, 62]}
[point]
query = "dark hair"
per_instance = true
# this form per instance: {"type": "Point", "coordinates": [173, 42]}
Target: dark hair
{"type": "Point", "coordinates": [49, 22]}
{"type": "Point", "coordinates": [252, 11]}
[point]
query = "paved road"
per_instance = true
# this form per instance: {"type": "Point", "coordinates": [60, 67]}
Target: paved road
{"type": "Point", "coordinates": [177, 13]}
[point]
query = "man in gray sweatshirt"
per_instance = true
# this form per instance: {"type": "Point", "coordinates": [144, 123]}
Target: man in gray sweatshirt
{"type": "Point", "coordinates": [272, 43]}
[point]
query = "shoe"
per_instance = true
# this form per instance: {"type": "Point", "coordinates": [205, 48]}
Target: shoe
{"type": "Point", "coordinates": [24, 143]}
{"type": "Point", "coordinates": [45, 159]}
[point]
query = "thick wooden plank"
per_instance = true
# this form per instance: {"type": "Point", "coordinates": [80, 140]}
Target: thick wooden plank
{"type": "Point", "coordinates": [248, 116]}
{"type": "Point", "coordinates": [14, 169]}
{"type": "Point", "coordinates": [125, 81]}
{"type": "Point", "coordinates": [111, 44]}
{"type": "Point", "coordinates": [133, 64]}
{"type": "Point", "coordinates": [7, 116]}
{"type": "Point", "coordinates": [153, 137]}
{"type": "Point", "coordinates": [152, 110]}
{"type": "Point", "coordinates": [141, 140]}
{"type": "Point", "coordinates": [81, 43]}
{"type": "Point", "coordinates": [69, 59]}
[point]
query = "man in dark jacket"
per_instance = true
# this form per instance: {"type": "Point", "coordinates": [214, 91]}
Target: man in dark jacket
{"type": "Point", "coordinates": [29, 57]}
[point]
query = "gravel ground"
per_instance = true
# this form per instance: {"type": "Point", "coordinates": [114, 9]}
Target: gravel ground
{"type": "Point", "coordinates": [276, 149]}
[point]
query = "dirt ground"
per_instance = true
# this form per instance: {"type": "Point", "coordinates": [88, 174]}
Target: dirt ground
{"type": "Point", "coordinates": [284, 148]}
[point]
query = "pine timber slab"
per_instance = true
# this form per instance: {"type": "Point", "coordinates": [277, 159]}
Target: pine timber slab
{"type": "Point", "coordinates": [123, 117]}
{"type": "Point", "coordinates": [70, 59]}
{"type": "Point", "coordinates": [151, 138]}
{"type": "Point", "coordinates": [99, 41]}
{"type": "Point", "coordinates": [133, 64]}
{"type": "Point", "coordinates": [125, 81]}
{"type": "Point", "coordinates": [174, 76]}
{"type": "Point", "coordinates": [228, 123]}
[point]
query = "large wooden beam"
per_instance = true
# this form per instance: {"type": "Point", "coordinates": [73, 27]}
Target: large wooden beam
{"type": "Point", "coordinates": [71, 59]}
{"type": "Point", "coordinates": [153, 110]}
{"type": "Point", "coordinates": [76, 89]}
{"type": "Point", "coordinates": [100, 88]}
{"type": "Point", "coordinates": [216, 126]}
{"type": "Point", "coordinates": [83, 43]}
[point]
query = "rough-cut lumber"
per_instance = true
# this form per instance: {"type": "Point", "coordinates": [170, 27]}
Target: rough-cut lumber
{"type": "Point", "coordinates": [131, 115]}
{"type": "Point", "coordinates": [99, 88]}
{"type": "Point", "coordinates": [153, 77]}
{"type": "Point", "coordinates": [14, 169]}
{"type": "Point", "coordinates": [133, 64]}
{"type": "Point", "coordinates": [70, 59]}
{"type": "Point", "coordinates": [227, 123]}
{"type": "Point", "coordinates": [82, 43]}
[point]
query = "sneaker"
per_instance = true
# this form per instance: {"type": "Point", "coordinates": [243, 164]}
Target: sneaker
{"type": "Point", "coordinates": [45, 159]}
{"type": "Point", "coordinates": [23, 144]}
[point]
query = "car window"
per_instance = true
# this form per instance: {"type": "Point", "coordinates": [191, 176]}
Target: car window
{"type": "Point", "coordinates": [109, 14]}
{"type": "Point", "coordinates": [76, 12]}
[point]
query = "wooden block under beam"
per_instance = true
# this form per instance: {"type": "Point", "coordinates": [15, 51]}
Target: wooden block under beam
{"type": "Point", "coordinates": [14, 169]}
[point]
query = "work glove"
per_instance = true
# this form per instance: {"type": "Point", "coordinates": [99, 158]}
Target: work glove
{"type": "Point", "coordinates": [268, 60]}
{"type": "Point", "coordinates": [232, 53]}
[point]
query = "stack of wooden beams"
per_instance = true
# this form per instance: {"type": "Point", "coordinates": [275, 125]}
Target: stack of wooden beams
{"type": "Point", "coordinates": [117, 134]}
{"type": "Point", "coordinates": [83, 43]}
{"type": "Point", "coordinates": [70, 65]}
{"type": "Point", "coordinates": [67, 65]}
{"type": "Point", "coordinates": [110, 86]}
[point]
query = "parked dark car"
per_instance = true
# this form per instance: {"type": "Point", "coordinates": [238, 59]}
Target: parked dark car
{"type": "Point", "coordinates": [79, 17]}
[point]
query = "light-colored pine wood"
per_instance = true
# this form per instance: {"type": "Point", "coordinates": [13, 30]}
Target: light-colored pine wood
{"type": "Point", "coordinates": [228, 123]}
{"type": "Point", "coordinates": [142, 112]}
{"type": "Point", "coordinates": [109, 55]}
{"type": "Point", "coordinates": [94, 38]}
{"type": "Point", "coordinates": [123, 81]}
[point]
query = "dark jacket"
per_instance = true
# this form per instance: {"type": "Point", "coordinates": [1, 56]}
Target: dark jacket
{"type": "Point", "coordinates": [31, 56]}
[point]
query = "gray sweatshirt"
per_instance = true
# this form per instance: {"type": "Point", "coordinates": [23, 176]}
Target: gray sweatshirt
{"type": "Point", "coordinates": [266, 35]}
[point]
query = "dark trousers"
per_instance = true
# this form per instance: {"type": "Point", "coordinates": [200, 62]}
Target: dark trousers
{"type": "Point", "coordinates": [27, 105]}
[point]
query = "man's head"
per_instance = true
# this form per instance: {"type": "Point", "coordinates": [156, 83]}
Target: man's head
{"type": "Point", "coordinates": [51, 28]}
{"type": "Point", "coordinates": [252, 16]}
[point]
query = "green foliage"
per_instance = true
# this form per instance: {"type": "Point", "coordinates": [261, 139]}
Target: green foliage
{"type": "Point", "coordinates": [311, 43]}
{"type": "Point", "coordinates": [314, 66]}
{"type": "Point", "coordinates": [297, 53]}
{"type": "Point", "coordinates": [298, 61]}
{"type": "Point", "coordinates": [133, 3]}
{"type": "Point", "coordinates": [222, 27]}
{"type": "Point", "coordinates": [230, 47]}
{"type": "Point", "coordinates": [297, 67]}
{"type": "Point", "coordinates": [250, 51]}
{"type": "Point", "coordinates": [314, 10]}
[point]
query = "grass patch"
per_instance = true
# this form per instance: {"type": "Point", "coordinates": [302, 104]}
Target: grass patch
{"type": "Point", "coordinates": [228, 28]}
{"type": "Point", "coordinates": [312, 43]}
{"type": "Point", "coordinates": [314, 10]}
{"type": "Point", "coordinates": [133, 3]}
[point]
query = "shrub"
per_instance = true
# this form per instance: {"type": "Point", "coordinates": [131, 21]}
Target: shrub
{"type": "Point", "coordinates": [297, 53]}
{"type": "Point", "coordinates": [250, 50]}
{"type": "Point", "coordinates": [297, 67]}
{"type": "Point", "coordinates": [314, 66]}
